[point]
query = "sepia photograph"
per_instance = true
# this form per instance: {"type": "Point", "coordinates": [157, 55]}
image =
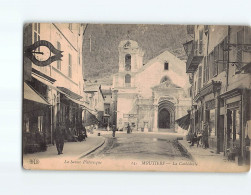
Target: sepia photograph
{"type": "Point", "coordinates": [136, 97]}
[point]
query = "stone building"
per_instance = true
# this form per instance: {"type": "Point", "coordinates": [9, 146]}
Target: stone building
{"type": "Point", "coordinates": [219, 70]}
{"type": "Point", "coordinates": [94, 110]}
{"type": "Point", "coordinates": [149, 97]}
{"type": "Point", "coordinates": [107, 118]}
{"type": "Point", "coordinates": [59, 84]}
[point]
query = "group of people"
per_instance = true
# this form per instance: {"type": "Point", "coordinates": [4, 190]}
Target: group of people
{"type": "Point", "coordinates": [201, 137]}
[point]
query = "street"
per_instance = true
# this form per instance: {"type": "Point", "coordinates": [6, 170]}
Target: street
{"type": "Point", "coordinates": [141, 146]}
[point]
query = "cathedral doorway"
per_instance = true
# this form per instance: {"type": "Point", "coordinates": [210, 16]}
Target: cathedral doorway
{"type": "Point", "coordinates": [164, 119]}
{"type": "Point", "coordinates": [166, 115]}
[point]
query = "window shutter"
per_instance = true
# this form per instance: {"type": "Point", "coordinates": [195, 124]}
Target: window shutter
{"type": "Point", "coordinates": [215, 60]}
{"type": "Point", "coordinates": [209, 66]}
{"type": "Point", "coordinates": [200, 41]}
{"type": "Point", "coordinates": [240, 37]}
{"type": "Point", "coordinates": [204, 71]}
{"type": "Point", "coordinates": [58, 61]}
{"type": "Point", "coordinates": [38, 30]}
{"type": "Point", "coordinates": [225, 55]}
{"type": "Point", "coordinates": [199, 79]}
{"type": "Point", "coordinates": [70, 66]}
{"type": "Point", "coordinates": [221, 58]}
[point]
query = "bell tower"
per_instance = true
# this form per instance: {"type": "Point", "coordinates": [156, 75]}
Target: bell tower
{"type": "Point", "coordinates": [130, 56]}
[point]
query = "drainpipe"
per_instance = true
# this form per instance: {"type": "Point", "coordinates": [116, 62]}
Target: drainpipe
{"type": "Point", "coordinates": [225, 146]}
{"type": "Point", "coordinates": [51, 100]}
{"type": "Point", "coordinates": [51, 116]}
{"type": "Point", "coordinates": [228, 56]}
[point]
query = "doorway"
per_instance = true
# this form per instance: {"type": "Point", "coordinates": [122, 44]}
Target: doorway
{"type": "Point", "coordinates": [221, 133]}
{"type": "Point", "coordinates": [164, 119]}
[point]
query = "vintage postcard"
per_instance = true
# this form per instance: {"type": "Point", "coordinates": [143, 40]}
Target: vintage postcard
{"type": "Point", "coordinates": [136, 97]}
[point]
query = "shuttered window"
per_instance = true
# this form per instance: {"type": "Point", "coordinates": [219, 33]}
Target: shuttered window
{"type": "Point", "coordinates": [225, 51]}
{"type": "Point", "coordinates": [200, 41]}
{"type": "Point", "coordinates": [239, 53]}
{"type": "Point", "coordinates": [196, 47]}
{"type": "Point", "coordinates": [59, 61]}
{"type": "Point", "coordinates": [200, 77]}
{"type": "Point", "coordinates": [215, 60]}
{"type": "Point", "coordinates": [211, 65]}
{"type": "Point", "coordinates": [70, 67]}
{"type": "Point", "coordinates": [206, 70]}
{"type": "Point", "coordinates": [36, 33]}
{"type": "Point", "coordinates": [221, 57]}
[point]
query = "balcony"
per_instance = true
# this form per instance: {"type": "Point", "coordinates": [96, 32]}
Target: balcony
{"type": "Point", "coordinates": [195, 56]}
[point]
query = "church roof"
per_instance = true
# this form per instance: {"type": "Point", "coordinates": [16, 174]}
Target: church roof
{"type": "Point", "coordinates": [163, 57]}
{"type": "Point", "coordinates": [177, 70]}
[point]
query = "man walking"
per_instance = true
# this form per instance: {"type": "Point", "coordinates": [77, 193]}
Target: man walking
{"type": "Point", "coordinates": [59, 138]}
{"type": "Point", "coordinates": [128, 129]}
{"type": "Point", "coordinates": [113, 130]}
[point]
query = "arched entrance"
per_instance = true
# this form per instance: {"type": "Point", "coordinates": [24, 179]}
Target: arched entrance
{"type": "Point", "coordinates": [166, 115]}
{"type": "Point", "coordinates": [164, 119]}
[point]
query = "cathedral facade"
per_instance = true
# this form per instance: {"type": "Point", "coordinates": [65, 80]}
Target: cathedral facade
{"type": "Point", "coordinates": [149, 97]}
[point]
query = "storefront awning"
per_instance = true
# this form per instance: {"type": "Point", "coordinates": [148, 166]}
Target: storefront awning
{"type": "Point", "coordinates": [32, 95]}
{"type": "Point", "coordinates": [81, 103]}
{"type": "Point", "coordinates": [70, 93]}
{"type": "Point", "coordinates": [90, 119]}
{"type": "Point", "coordinates": [184, 121]}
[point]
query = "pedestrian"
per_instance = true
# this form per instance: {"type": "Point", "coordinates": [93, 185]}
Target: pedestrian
{"type": "Point", "coordinates": [194, 139]}
{"type": "Point", "coordinates": [113, 130]}
{"type": "Point", "coordinates": [205, 136]}
{"type": "Point", "coordinates": [84, 131]}
{"type": "Point", "coordinates": [199, 137]}
{"type": "Point", "coordinates": [128, 129]}
{"type": "Point", "coordinates": [59, 138]}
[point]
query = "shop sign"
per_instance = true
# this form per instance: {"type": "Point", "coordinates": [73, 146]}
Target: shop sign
{"type": "Point", "coordinates": [129, 115]}
{"type": "Point", "coordinates": [233, 105]}
{"type": "Point", "coordinates": [44, 57]}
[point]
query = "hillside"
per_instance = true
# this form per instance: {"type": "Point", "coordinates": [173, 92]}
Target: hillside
{"type": "Point", "coordinates": [100, 45]}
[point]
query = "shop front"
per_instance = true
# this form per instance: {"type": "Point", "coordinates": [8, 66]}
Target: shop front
{"type": "Point", "coordinates": [210, 118]}
{"type": "Point", "coordinates": [36, 121]}
{"type": "Point", "coordinates": [236, 139]}
{"type": "Point", "coordinates": [207, 118]}
{"type": "Point", "coordinates": [70, 114]}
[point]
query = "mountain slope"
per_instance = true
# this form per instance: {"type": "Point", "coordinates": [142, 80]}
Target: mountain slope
{"type": "Point", "coordinates": [100, 45]}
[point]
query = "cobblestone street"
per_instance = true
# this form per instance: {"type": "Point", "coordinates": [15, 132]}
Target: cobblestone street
{"type": "Point", "coordinates": [141, 146]}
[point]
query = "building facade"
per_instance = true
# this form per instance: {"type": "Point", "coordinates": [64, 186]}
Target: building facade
{"type": "Point", "coordinates": [149, 97]}
{"type": "Point", "coordinates": [94, 111]}
{"type": "Point", "coordinates": [108, 110]}
{"type": "Point", "coordinates": [218, 66]}
{"type": "Point", "coordinates": [59, 83]}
